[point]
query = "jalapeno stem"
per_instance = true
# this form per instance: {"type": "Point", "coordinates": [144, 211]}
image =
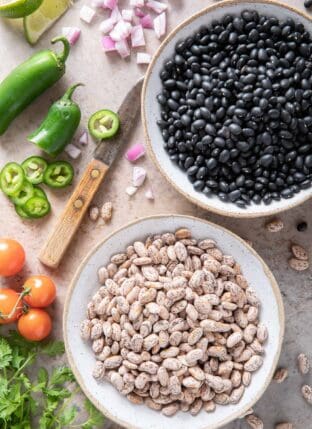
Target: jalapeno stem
{"type": "Point", "coordinates": [62, 57]}
{"type": "Point", "coordinates": [68, 94]}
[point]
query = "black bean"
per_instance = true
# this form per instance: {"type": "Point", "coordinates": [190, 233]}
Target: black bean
{"type": "Point", "coordinates": [302, 226]}
{"type": "Point", "coordinates": [224, 156]}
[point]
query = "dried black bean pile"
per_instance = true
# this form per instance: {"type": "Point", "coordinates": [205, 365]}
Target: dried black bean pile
{"type": "Point", "coordinates": [236, 110]}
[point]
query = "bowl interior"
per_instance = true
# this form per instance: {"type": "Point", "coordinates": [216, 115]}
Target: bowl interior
{"type": "Point", "coordinates": [85, 284]}
{"type": "Point", "coordinates": [151, 109]}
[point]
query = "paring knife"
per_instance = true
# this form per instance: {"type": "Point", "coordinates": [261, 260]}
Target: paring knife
{"type": "Point", "coordinates": [104, 155]}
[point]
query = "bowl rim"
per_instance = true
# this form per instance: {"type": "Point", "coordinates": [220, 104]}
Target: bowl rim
{"type": "Point", "coordinates": [209, 205]}
{"type": "Point", "coordinates": [267, 271]}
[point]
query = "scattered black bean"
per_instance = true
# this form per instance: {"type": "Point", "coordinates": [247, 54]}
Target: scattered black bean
{"type": "Point", "coordinates": [302, 226]}
{"type": "Point", "coordinates": [236, 111]}
{"type": "Point", "coordinates": [308, 3]}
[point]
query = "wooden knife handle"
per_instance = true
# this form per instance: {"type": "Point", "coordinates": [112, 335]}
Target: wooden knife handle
{"type": "Point", "coordinates": [66, 227]}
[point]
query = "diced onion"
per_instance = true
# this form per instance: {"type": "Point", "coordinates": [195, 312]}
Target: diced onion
{"type": "Point", "coordinates": [110, 4]}
{"type": "Point", "coordinates": [138, 176]}
{"type": "Point", "coordinates": [108, 44]}
{"type": "Point", "coordinates": [137, 3]}
{"type": "Point", "coordinates": [121, 31]}
{"type": "Point", "coordinates": [149, 194]}
{"type": "Point", "coordinates": [160, 25]}
{"type": "Point", "coordinates": [138, 12]}
{"type": "Point", "coordinates": [137, 36]}
{"type": "Point", "coordinates": [115, 15]}
{"type": "Point", "coordinates": [127, 14]}
{"type": "Point", "coordinates": [72, 34]}
{"type": "Point", "coordinates": [135, 152]}
{"type": "Point", "coordinates": [84, 138]}
{"type": "Point", "coordinates": [143, 58]}
{"type": "Point", "coordinates": [131, 190]}
{"type": "Point", "coordinates": [122, 48]}
{"type": "Point", "coordinates": [97, 3]}
{"type": "Point", "coordinates": [107, 25]}
{"type": "Point", "coordinates": [87, 14]}
{"type": "Point", "coordinates": [73, 151]}
{"type": "Point", "coordinates": [146, 21]}
{"type": "Point", "coordinates": [156, 6]}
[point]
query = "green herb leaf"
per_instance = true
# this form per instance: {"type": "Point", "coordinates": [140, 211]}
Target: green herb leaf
{"type": "Point", "coordinates": [5, 353]}
{"type": "Point", "coordinates": [68, 415]}
{"type": "Point", "coordinates": [53, 348]}
{"type": "Point", "coordinates": [3, 387]}
{"type": "Point", "coordinates": [43, 376]}
{"type": "Point", "coordinates": [95, 419]}
{"type": "Point", "coordinates": [61, 375]}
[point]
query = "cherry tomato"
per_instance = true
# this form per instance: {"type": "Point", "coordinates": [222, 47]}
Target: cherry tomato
{"type": "Point", "coordinates": [42, 291]}
{"type": "Point", "coordinates": [12, 257]}
{"type": "Point", "coordinates": [35, 325]}
{"type": "Point", "coordinates": [10, 305]}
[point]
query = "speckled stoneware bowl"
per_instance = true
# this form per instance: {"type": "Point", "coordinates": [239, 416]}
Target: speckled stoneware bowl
{"type": "Point", "coordinates": [151, 110]}
{"type": "Point", "coordinates": [104, 396]}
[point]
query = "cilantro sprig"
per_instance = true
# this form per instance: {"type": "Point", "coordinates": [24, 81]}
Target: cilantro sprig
{"type": "Point", "coordinates": [45, 401]}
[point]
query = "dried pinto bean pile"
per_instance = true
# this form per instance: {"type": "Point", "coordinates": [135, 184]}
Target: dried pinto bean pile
{"type": "Point", "coordinates": [236, 110]}
{"type": "Point", "coordinates": [175, 325]}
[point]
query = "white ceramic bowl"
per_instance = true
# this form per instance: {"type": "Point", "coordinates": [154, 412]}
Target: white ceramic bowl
{"type": "Point", "coordinates": [150, 108]}
{"type": "Point", "coordinates": [81, 358]}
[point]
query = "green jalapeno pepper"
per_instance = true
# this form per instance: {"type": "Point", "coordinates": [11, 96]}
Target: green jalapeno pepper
{"type": "Point", "coordinates": [23, 194]}
{"type": "Point", "coordinates": [37, 207]}
{"type": "Point", "coordinates": [34, 168]}
{"type": "Point", "coordinates": [60, 125]}
{"type": "Point", "coordinates": [11, 178]}
{"type": "Point", "coordinates": [29, 80]}
{"type": "Point", "coordinates": [58, 174]}
{"type": "Point", "coordinates": [21, 212]}
{"type": "Point", "coordinates": [103, 124]}
{"type": "Point", "coordinates": [38, 192]}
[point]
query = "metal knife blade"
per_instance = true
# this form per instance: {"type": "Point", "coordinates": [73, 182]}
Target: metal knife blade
{"type": "Point", "coordinates": [107, 150]}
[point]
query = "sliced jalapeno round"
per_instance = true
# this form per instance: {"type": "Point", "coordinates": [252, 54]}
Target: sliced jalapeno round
{"type": "Point", "coordinates": [11, 178]}
{"type": "Point", "coordinates": [21, 212]}
{"type": "Point", "coordinates": [38, 192]}
{"type": "Point", "coordinates": [34, 168]}
{"type": "Point", "coordinates": [58, 174]}
{"type": "Point", "coordinates": [104, 124]}
{"type": "Point", "coordinates": [23, 194]}
{"type": "Point", "coordinates": [37, 207]}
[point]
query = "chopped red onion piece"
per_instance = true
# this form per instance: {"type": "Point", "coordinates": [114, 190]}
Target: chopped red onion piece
{"type": "Point", "coordinates": [84, 138]}
{"type": "Point", "coordinates": [147, 21]}
{"type": "Point", "coordinates": [115, 15]}
{"type": "Point", "coordinates": [107, 25]}
{"type": "Point", "coordinates": [131, 190]}
{"type": "Point", "coordinates": [122, 48]}
{"type": "Point", "coordinates": [87, 14]}
{"type": "Point", "coordinates": [138, 12]}
{"type": "Point", "coordinates": [110, 4]}
{"type": "Point", "coordinates": [138, 176]}
{"type": "Point", "coordinates": [108, 44]}
{"type": "Point", "coordinates": [73, 151]}
{"type": "Point", "coordinates": [127, 14]}
{"type": "Point", "coordinates": [121, 31]}
{"type": "Point", "coordinates": [137, 3]}
{"type": "Point", "coordinates": [143, 58]}
{"type": "Point", "coordinates": [149, 194]}
{"type": "Point", "coordinates": [135, 152]}
{"type": "Point", "coordinates": [160, 25]}
{"type": "Point", "coordinates": [72, 34]}
{"type": "Point", "coordinates": [97, 3]}
{"type": "Point", "coordinates": [156, 6]}
{"type": "Point", "coordinates": [137, 36]}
